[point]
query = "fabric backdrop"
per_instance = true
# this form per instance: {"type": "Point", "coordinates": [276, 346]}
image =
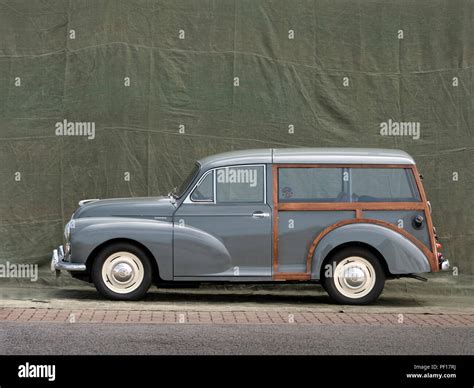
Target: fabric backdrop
{"type": "Point", "coordinates": [165, 82]}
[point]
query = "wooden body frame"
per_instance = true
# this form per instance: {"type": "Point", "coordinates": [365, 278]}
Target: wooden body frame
{"type": "Point", "coordinates": [358, 208]}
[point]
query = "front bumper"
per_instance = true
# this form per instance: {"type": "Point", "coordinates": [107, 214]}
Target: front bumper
{"type": "Point", "coordinates": [58, 264]}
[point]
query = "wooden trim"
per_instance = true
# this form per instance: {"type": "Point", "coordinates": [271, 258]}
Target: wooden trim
{"type": "Point", "coordinates": [275, 218]}
{"type": "Point", "coordinates": [358, 207]}
{"type": "Point", "coordinates": [344, 205]}
{"type": "Point", "coordinates": [292, 276]}
{"type": "Point", "coordinates": [404, 233]}
{"type": "Point", "coordinates": [429, 221]}
{"type": "Point", "coordinates": [354, 206]}
{"type": "Point", "coordinates": [344, 165]}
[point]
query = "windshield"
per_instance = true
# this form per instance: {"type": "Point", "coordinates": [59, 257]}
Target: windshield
{"type": "Point", "coordinates": [186, 182]}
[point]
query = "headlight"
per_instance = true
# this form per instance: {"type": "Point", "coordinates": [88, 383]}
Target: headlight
{"type": "Point", "coordinates": [67, 249]}
{"type": "Point", "coordinates": [68, 230]}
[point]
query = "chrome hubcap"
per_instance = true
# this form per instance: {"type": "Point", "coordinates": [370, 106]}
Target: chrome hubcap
{"type": "Point", "coordinates": [354, 277]}
{"type": "Point", "coordinates": [122, 272]}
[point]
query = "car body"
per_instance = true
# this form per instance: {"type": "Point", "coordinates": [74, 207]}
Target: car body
{"type": "Point", "coordinates": [347, 218]}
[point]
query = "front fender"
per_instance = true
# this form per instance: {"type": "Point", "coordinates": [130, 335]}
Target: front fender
{"type": "Point", "coordinates": [401, 255]}
{"type": "Point", "coordinates": [156, 236]}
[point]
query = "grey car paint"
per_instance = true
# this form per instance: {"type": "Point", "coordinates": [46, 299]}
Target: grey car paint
{"type": "Point", "coordinates": [255, 156]}
{"type": "Point", "coordinates": [141, 207]}
{"type": "Point", "coordinates": [341, 155]}
{"type": "Point", "coordinates": [297, 230]}
{"type": "Point", "coordinates": [224, 242]}
{"type": "Point", "coordinates": [308, 155]}
{"type": "Point", "coordinates": [400, 254]}
{"type": "Point", "coordinates": [403, 219]}
{"type": "Point", "coordinates": [156, 236]}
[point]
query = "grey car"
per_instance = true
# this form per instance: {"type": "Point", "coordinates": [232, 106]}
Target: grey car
{"type": "Point", "coordinates": [345, 218]}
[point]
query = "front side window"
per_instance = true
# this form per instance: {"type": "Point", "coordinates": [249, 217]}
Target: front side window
{"type": "Point", "coordinates": [240, 184]}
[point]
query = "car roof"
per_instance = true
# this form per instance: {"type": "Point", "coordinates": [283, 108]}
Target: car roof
{"type": "Point", "coordinates": [308, 155]}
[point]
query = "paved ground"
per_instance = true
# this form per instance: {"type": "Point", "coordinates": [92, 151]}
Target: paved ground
{"type": "Point", "coordinates": [443, 294]}
{"type": "Point", "coordinates": [234, 317]}
{"type": "Point", "coordinates": [409, 318]}
{"type": "Point", "coordinates": [79, 338]}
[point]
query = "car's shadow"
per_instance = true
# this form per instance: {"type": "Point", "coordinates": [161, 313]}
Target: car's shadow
{"type": "Point", "coordinates": [225, 296]}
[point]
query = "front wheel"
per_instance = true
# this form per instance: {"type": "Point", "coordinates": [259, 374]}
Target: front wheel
{"type": "Point", "coordinates": [354, 276]}
{"type": "Point", "coordinates": [122, 272]}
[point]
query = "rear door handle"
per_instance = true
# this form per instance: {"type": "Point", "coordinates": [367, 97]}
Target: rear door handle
{"type": "Point", "coordinates": [260, 214]}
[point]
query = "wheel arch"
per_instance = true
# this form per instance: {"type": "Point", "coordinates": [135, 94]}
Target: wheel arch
{"type": "Point", "coordinates": [151, 257]}
{"type": "Point", "coordinates": [397, 253]}
{"type": "Point", "coordinates": [358, 244]}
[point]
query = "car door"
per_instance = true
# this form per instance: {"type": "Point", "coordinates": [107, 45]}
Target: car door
{"type": "Point", "coordinates": [223, 228]}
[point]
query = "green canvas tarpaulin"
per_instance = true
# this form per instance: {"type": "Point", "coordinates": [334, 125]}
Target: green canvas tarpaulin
{"type": "Point", "coordinates": [163, 83]}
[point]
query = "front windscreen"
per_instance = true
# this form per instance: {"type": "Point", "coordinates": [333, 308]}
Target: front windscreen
{"type": "Point", "coordinates": [187, 181]}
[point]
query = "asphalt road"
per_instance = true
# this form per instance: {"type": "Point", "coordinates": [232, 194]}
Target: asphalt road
{"type": "Point", "coordinates": [71, 339]}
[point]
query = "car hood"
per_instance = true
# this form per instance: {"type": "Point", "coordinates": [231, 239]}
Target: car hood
{"type": "Point", "coordinates": [146, 207]}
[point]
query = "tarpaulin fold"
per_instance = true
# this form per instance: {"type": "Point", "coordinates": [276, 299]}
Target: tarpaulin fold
{"type": "Point", "coordinates": [349, 66]}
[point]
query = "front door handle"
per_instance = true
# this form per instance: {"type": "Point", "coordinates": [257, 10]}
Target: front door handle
{"type": "Point", "coordinates": [260, 214]}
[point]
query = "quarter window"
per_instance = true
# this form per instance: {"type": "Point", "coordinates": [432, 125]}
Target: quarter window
{"type": "Point", "coordinates": [204, 192]}
{"type": "Point", "coordinates": [240, 184]}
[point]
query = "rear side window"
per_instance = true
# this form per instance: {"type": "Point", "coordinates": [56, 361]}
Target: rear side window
{"type": "Point", "coordinates": [314, 184]}
{"type": "Point", "coordinates": [383, 185]}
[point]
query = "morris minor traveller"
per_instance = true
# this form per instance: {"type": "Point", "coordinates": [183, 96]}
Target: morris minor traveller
{"type": "Point", "coordinates": [346, 218]}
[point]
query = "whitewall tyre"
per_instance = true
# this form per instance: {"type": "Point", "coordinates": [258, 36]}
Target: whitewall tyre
{"type": "Point", "coordinates": [122, 271]}
{"type": "Point", "coordinates": [356, 276]}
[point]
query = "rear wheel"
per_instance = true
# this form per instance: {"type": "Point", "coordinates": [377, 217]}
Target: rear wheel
{"type": "Point", "coordinates": [122, 271]}
{"type": "Point", "coordinates": [356, 276]}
